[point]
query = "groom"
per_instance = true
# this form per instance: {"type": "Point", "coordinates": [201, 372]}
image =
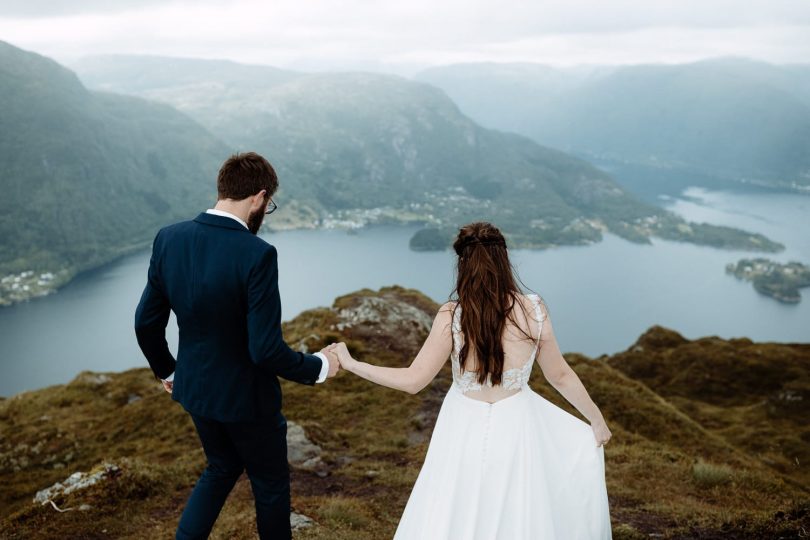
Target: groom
{"type": "Point", "coordinates": [221, 281]}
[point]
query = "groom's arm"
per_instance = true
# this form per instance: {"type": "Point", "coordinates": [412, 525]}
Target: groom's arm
{"type": "Point", "coordinates": [265, 340]}
{"type": "Point", "coordinates": [151, 318]}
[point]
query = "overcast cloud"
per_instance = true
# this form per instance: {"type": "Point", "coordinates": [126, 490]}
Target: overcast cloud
{"type": "Point", "coordinates": [408, 35]}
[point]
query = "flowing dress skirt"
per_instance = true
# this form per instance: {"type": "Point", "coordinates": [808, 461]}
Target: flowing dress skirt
{"type": "Point", "coordinates": [518, 469]}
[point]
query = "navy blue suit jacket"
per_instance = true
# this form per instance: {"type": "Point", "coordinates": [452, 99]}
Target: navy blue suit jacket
{"type": "Point", "coordinates": [221, 281]}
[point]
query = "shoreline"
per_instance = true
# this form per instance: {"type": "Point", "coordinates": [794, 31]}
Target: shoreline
{"type": "Point", "coordinates": [63, 276]}
{"type": "Point", "coordinates": [59, 311]}
{"type": "Point", "coordinates": [672, 227]}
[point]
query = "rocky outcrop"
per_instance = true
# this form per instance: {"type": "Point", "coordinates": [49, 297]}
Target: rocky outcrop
{"type": "Point", "coordinates": [657, 337]}
{"type": "Point", "coordinates": [91, 379]}
{"type": "Point", "coordinates": [76, 482]}
{"type": "Point", "coordinates": [382, 313]}
{"type": "Point", "coordinates": [393, 318]}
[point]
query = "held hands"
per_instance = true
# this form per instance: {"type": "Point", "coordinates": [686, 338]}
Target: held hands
{"type": "Point", "coordinates": [344, 356]}
{"type": "Point", "coordinates": [339, 357]}
{"type": "Point", "coordinates": [334, 362]}
{"type": "Point", "coordinates": [601, 432]}
{"type": "Point", "coordinates": [168, 385]}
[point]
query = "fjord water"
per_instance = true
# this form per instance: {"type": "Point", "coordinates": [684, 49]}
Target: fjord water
{"type": "Point", "coordinates": [601, 297]}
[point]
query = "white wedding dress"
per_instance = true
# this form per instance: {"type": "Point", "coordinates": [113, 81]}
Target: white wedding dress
{"type": "Point", "coordinates": [517, 469]}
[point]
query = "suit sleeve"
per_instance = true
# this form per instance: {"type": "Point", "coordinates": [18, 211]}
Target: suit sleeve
{"type": "Point", "coordinates": [151, 318]}
{"type": "Point", "coordinates": [265, 341]}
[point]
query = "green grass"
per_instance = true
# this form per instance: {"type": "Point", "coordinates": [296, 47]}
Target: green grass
{"type": "Point", "coordinates": [710, 475]}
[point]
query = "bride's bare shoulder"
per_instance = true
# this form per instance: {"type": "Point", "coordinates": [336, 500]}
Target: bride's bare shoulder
{"type": "Point", "coordinates": [529, 302]}
{"type": "Point", "coordinates": [444, 317]}
{"type": "Point", "coordinates": [526, 302]}
{"type": "Point", "coordinates": [448, 307]}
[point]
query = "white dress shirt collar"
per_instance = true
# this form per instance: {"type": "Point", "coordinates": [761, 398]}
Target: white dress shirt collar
{"type": "Point", "coordinates": [223, 213]}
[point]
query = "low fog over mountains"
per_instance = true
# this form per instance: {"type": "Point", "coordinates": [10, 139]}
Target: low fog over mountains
{"type": "Point", "coordinates": [727, 118]}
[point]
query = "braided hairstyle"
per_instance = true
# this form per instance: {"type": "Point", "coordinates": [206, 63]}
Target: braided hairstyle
{"type": "Point", "coordinates": [486, 290]}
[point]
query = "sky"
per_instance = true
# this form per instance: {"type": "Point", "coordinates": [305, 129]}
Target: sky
{"type": "Point", "coordinates": [409, 35]}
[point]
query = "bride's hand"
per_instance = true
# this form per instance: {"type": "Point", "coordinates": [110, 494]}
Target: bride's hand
{"type": "Point", "coordinates": [601, 433]}
{"type": "Point", "coordinates": [344, 356]}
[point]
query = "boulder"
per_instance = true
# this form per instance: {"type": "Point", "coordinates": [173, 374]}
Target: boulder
{"type": "Point", "coordinates": [300, 521]}
{"type": "Point", "coordinates": [301, 452]}
{"type": "Point", "coordinates": [75, 482]}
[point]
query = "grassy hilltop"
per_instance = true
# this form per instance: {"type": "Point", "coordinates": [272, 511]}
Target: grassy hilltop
{"type": "Point", "coordinates": [711, 438]}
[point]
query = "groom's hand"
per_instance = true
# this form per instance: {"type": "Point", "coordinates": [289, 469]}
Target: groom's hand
{"type": "Point", "coordinates": [168, 385]}
{"type": "Point", "coordinates": [334, 362]}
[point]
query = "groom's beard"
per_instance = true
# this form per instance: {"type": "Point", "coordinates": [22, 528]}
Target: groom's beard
{"type": "Point", "coordinates": [254, 221]}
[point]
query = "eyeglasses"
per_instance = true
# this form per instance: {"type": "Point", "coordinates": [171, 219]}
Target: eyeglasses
{"type": "Point", "coordinates": [271, 207]}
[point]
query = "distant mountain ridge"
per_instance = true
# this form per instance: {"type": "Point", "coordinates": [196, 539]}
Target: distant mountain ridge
{"type": "Point", "coordinates": [394, 137]}
{"type": "Point", "coordinates": [161, 71]}
{"type": "Point", "coordinates": [349, 142]}
{"type": "Point", "coordinates": [90, 175]}
{"type": "Point", "coordinates": [729, 118]}
{"type": "Point", "coordinates": [87, 175]}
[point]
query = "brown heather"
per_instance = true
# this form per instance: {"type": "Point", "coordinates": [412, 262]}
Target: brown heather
{"type": "Point", "coordinates": [711, 438]}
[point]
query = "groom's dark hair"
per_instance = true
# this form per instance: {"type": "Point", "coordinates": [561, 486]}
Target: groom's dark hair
{"type": "Point", "coordinates": [245, 174]}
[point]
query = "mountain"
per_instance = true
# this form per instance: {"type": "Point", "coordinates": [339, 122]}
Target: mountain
{"type": "Point", "coordinates": [718, 122]}
{"type": "Point", "coordinates": [144, 74]}
{"type": "Point", "coordinates": [87, 175]}
{"type": "Point", "coordinates": [710, 439]}
{"type": "Point", "coordinates": [348, 143]}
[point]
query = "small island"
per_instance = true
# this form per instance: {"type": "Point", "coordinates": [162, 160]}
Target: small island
{"type": "Point", "coordinates": [781, 281]}
{"type": "Point", "coordinates": [430, 239]}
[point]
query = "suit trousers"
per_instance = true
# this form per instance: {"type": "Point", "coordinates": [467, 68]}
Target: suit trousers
{"type": "Point", "coordinates": [259, 448]}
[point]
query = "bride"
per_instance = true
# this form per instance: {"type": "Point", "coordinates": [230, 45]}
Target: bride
{"type": "Point", "coordinates": [503, 462]}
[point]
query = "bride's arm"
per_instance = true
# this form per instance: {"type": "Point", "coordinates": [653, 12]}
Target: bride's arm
{"type": "Point", "coordinates": [434, 353]}
{"type": "Point", "coordinates": [565, 380]}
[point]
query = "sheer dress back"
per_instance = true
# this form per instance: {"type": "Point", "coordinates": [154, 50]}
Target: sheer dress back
{"type": "Point", "coordinates": [519, 354]}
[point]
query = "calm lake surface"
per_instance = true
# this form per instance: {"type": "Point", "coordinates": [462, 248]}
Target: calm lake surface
{"type": "Point", "coordinates": [601, 297]}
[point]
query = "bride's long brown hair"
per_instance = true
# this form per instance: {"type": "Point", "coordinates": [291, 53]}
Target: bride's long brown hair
{"type": "Point", "coordinates": [487, 292]}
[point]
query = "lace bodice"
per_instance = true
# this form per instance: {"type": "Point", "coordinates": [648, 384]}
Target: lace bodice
{"type": "Point", "coordinates": [512, 379]}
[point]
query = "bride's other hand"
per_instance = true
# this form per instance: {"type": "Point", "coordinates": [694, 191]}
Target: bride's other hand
{"type": "Point", "coordinates": [345, 357]}
{"type": "Point", "coordinates": [601, 433]}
